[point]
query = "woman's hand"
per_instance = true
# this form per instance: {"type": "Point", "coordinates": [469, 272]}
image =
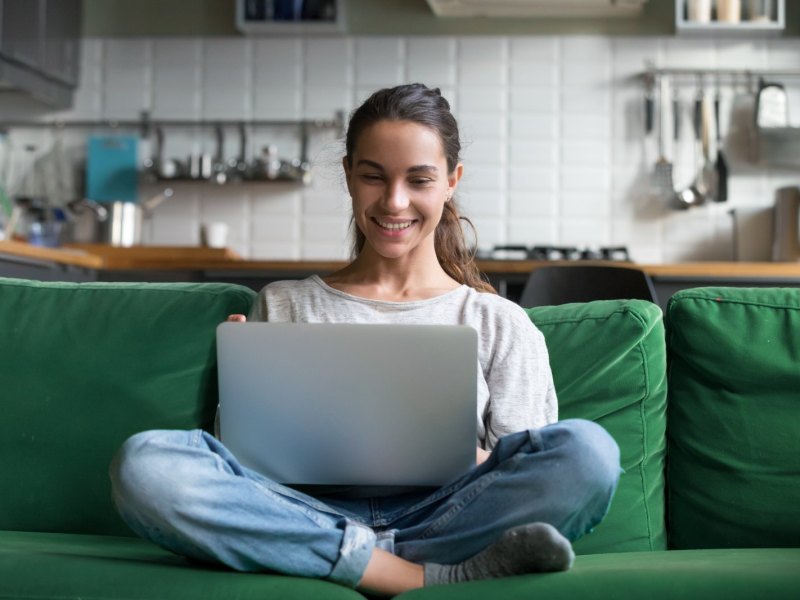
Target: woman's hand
{"type": "Point", "coordinates": [481, 456]}
{"type": "Point", "coordinates": [236, 318]}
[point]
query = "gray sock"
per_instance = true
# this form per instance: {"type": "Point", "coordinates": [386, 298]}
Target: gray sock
{"type": "Point", "coordinates": [532, 548]}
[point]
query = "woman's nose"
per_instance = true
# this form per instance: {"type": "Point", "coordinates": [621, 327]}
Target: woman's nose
{"type": "Point", "coordinates": [395, 197]}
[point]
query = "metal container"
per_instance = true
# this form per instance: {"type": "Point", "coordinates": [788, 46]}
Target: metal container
{"type": "Point", "coordinates": [786, 223]}
{"type": "Point", "coordinates": [123, 226]}
{"type": "Point", "coordinates": [115, 223]}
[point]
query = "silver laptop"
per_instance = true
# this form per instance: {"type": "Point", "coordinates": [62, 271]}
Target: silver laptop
{"type": "Point", "coordinates": [349, 404]}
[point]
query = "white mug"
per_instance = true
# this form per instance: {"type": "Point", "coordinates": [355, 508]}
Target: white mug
{"type": "Point", "coordinates": [214, 234]}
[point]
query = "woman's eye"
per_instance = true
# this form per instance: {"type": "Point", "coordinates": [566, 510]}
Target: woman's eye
{"type": "Point", "coordinates": [423, 181]}
{"type": "Point", "coordinates": [371, 177]}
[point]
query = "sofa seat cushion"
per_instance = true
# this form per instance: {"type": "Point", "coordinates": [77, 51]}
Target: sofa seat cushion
{"type": "Point", "coordinates": [690, 574]}
{"type": "Point", "coordinates": [90, 364]}
{"type": "Point", "coordinates": [42, 565]}
{"type": "Point", "coordinates": [609, 366]}
{"type": "Point", "coordinates": [734, 418]}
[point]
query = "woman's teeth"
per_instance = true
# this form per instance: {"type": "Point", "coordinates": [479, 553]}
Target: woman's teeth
{"type": "Point", "coordinates": [394, 226]}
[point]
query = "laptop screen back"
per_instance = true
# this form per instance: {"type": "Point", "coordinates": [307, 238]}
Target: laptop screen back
{"type": "Point", "coordinates": [349, 404]}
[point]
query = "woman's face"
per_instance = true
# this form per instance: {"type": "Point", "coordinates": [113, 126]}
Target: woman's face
{"type": "Point", "coordinates": [399, 183]}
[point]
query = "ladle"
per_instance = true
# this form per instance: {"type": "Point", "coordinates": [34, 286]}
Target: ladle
{"type": "Point", "coordinates": [695, 194]}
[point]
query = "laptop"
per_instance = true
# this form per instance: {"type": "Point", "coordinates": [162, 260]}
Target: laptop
{"type": "Point", "coordinates": [349, 404]}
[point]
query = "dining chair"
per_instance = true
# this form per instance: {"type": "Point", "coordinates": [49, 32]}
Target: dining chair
{"type": "Point", "coordinates": [562, 284]}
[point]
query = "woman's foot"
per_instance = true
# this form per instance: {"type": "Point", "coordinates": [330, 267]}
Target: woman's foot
{"type": "Point", "coordinates": [532, 548]}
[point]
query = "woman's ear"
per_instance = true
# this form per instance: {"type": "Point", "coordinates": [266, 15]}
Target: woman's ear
{"type": "Point", "coordinates": [453, 178]}
{"type": "Point", "coordinates": [346, 167]}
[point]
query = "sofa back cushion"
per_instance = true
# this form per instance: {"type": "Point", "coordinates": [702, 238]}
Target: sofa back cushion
{"type": "Point", "coordinates": [608, 360]}
{"type": "Point", "coordinates": [734, 417]}
{"type": "Point", "coordinates": [85, 366]}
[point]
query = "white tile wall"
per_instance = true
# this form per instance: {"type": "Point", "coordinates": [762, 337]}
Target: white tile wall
{"type": "Point", "coordinates": [554, 146]}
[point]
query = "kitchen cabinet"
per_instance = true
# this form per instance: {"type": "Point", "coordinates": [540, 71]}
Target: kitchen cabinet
{"type": "Point", "coordinates": [22, 33]}
{"type": "Point", "coordinates": [62, 40]}
{"type": "Point", "coordinates": [39, 48]}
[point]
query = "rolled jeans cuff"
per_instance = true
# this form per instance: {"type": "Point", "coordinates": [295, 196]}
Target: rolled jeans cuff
{"type": "Point", "coordinates": [354, 554]}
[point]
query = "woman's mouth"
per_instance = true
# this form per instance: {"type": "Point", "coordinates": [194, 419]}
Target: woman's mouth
{"type": "Point", "coordinates": [393, 226]}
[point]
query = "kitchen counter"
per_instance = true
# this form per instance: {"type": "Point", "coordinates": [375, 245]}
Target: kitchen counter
{"type": "Point", "coordinates": [98, 256]}
{"type": "Point", "coordinates": [94, 262]}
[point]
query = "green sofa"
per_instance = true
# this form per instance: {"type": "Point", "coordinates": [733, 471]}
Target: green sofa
{"type": "Point", "coordinates": [706, 414]}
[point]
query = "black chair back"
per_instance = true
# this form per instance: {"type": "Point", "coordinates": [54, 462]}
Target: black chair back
{"type": "Point", "coordinates": [562, 284]}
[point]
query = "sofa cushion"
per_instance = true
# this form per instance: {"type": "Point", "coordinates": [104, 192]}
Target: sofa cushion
{"type": "Point", "coordinates": [690, 574]}
{"type": "Point", "coordinates": [86, 366]}
{"type": "Point", "coordinates": [40, 565]}
{"type": "Point", "coordinates": [734, 417]}
{"type": "Point", "coordinates": [608, 360]}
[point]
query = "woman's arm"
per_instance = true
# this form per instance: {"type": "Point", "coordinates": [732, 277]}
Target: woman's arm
{"type": "Point", "coordinates": [522, 395]}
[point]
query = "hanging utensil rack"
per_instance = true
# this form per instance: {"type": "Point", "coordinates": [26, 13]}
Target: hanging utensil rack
{"type": "Point", "coordinates": [145, 122]}
{"type": "Point", "coordinates": [146, 125]}
{"type": "Point", "coordinates": [773, 146]}
{"type": "Point", "coordinates": [681, 75]}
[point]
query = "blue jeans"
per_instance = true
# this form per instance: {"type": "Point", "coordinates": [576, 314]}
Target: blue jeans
{"type": "Point", "coordinates": [186, 492]}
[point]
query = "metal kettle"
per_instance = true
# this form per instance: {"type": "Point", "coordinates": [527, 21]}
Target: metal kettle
{"type": "Point", "coordinates": [116, 223]}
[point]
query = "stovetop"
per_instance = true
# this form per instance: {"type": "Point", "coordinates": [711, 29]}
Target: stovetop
{"type": "Point", "coordinates": [520, 252]}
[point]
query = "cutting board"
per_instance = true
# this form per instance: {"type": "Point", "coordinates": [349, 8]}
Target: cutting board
{"type": "Point", "coordinates": [112, 168]}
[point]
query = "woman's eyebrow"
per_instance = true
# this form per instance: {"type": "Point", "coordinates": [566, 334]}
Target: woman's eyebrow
{"type": "Point", "coordinates": [414, 169]}
{"type": "Point", "coordinates": [370, 163]}
{"type": "Point", "coordinates": [417, 168]}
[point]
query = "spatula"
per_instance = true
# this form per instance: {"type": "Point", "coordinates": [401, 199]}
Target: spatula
{"type": "Point", "coordinates": [662, 173]}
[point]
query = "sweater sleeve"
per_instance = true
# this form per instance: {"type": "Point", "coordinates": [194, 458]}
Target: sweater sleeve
{"type": "Point", "coordinates": [521, 391]}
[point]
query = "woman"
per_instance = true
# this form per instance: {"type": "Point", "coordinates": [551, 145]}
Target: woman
{"type": "Point", "coordinates": [537, 484]}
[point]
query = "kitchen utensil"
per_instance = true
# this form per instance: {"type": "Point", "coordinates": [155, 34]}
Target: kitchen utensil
{"type": "Point", "coordinates": [721, 164]}
{"type": "Point", "coordinates": [237, 167]}
{"type": "Point", "coordinates": [115, 223]}
{"type": "Point", "coordinates": [662, 173]}
{"type": "Point", "coordinates": [220, 170]}
{"type": "Point", "coordinates": [649, 110]}
{"type": "Point", "coordinates": [123, 225]}
{"type": "Point", "coordinates": [304, 169]}
{"type": "Point", "coordinates": [709, 170]}
{"type": "Point", "coordinates": [201, 166]}
{"type": "Point", "coordinates": [695, 194]}
{"type": "Point", "coordinates": [85, 217]}
{"type": "Point", "coordinates": [112, 168]}
{"type": "Point", "coordinates": [160, 167]}
{"type": "Point", "coordinates": [772, 105]}
{"type": "Point", "coordinates": [267, 165]}
{"type": "Point", "coordinates": [786, 224]}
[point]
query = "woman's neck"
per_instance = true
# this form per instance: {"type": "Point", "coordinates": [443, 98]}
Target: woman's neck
{"type": "Point", "coordinates": [396, 280]}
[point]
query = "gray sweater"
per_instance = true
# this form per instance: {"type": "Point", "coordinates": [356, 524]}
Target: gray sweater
{"type": "Point", "coordinates": [515, 384]}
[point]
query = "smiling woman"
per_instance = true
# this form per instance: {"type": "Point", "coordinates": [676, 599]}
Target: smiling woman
{"type": "Point", "coordinates": [537, 484]}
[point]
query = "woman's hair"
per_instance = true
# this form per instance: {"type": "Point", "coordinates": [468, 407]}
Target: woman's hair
{"type": "Point", "coordinates": [425, 106]}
